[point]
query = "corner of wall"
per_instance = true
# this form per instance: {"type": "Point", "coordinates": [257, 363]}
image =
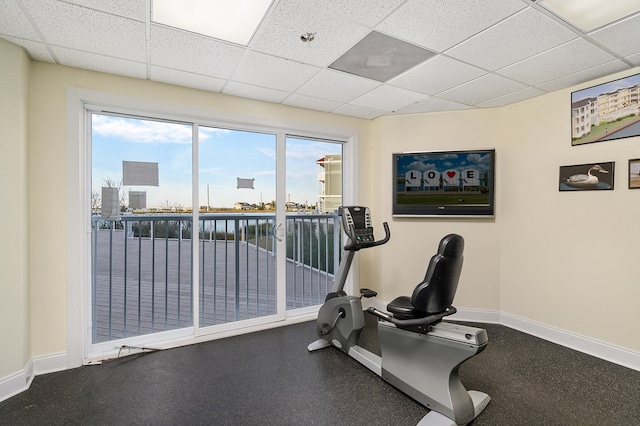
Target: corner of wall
{"type": "Point", "coordinates": [21, 381]}
{"type": "Point", "coordinates": [15, 319]}
{"type": "Point", "coordinates": [17, 382]}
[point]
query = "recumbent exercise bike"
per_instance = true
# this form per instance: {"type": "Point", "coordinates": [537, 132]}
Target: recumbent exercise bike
{"type": "Point", "coordinates": [420, 354]}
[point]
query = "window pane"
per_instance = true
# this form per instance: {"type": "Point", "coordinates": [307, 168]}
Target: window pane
{"type": "Point", "coordinates": [141, 239]}
{"type": "Point", "coordinates": [237, 214]}
{"type": "Point", "coordinates": [314, 193]}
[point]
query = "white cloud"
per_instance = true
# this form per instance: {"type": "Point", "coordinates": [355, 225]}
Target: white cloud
{"type": "Point", "coordinates": [140, 131]}
{"type": "Point", "coordinates": [207, 133]}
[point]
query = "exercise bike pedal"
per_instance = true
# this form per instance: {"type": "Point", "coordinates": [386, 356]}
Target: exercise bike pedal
{"type": "Point", "coordinates": [325, 329]}
{"type": "Point", "coordinates": [365, 292]}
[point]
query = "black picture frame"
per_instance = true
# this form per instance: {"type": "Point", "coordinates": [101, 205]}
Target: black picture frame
{"type": "Point", "coordinates": [634, 173]}
{"type": "Point", "coordinates": [451, 183]}
{"type": "Point", "coordinates": [587, 177]}
{"type": "Point", "coordinates": [606, 111]}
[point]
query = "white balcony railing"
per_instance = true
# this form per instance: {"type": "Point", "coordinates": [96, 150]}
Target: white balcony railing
{"type": "Point", "coordinates": [142, 269]}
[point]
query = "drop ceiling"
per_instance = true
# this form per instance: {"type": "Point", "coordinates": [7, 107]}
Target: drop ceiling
{"type": "Point", "coordinates": [486, 53]}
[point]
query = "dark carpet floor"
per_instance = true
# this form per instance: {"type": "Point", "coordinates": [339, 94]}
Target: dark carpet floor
{"type": "Point", "coordinates": [269, 378]}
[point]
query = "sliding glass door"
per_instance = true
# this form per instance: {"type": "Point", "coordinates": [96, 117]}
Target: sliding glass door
{"type": "Point", "coordinates": [198, 228]}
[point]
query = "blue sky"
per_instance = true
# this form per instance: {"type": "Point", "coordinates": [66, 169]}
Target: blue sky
{"type": "Point", "coordinates": [442, 162]}
{"type": "Point", "coordinates": [612, 86]}
{"type": "Point", "coordinates": [224, 156]}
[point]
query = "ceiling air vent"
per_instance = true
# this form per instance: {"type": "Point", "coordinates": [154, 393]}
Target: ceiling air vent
{"type": "Point", "coordinates": [380, 57]}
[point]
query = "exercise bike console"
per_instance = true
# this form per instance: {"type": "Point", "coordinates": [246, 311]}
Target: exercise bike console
{"type": "Point", "coordinates": [420, 353]}
{"type": "Point", "coordinates": [356, 222]}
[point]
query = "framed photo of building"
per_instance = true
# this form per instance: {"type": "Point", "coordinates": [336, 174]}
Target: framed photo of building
{"type": "Point", "coordinates": [587, 177]}
{"type": "Point", "coordinates": [606, 112]}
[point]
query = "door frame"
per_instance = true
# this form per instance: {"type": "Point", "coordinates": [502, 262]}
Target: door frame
{"type": "Point", "coordinates": [79, 203]}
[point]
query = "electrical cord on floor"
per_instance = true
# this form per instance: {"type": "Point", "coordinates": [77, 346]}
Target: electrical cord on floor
{"type": "Point", "coordinates": [142, 348]}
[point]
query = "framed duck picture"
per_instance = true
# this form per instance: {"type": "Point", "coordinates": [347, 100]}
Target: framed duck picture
{"type": "Point", "coordinates": [587, 177]}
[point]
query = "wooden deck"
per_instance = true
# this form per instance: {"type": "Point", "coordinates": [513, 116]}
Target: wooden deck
{"type": "Point", "coordinates": [143, 285]}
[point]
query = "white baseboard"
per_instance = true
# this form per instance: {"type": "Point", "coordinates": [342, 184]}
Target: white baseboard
{"type": "Point", "coordinates": [50, 363]}
{"type": "Point", "coordinates": [16, 383]}
{"type": "Point", "coordinates": [20, 381]}
{"type": "Point", "coordinates": [608, 352]}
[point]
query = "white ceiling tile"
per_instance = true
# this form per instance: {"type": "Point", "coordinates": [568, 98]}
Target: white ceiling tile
{"type": "Point", "coordinates": [524, 34]}
{"type": "Point", "coordinates": [37, 51]}
{"type": "Point", "coordinates": [280, 35]}
{"type": "Point", "coordinates": [254, 92]}
{"type": "Point", "coordinates": [431, 104]}
{"type": "Point", "coordinates": [101, 63]}
{"type": "Point", "coordinates": [106, 35]}
{"type": "Point", "coordinates": [572, 57]}
{"type": "Point", "coordinates": [172, 48]}
{"type": "Point", "coordinates": [14, 23]}
{"type": "Point", "coordinates": [440, 24]}
{"type": "Point", "coordinates": [187, 79]}
{"type": "Point", "coordinates": [437, 75]}
{"type": "Point", "coordinates": [276, 73]}
{"type": "Point", "coordinates": [585, 75]}
{"type": "Point", "coordinates": [482, 89]}
{"type": "Point", "coordinates": [480, 35]}
{"type": "Point", "coordinates": [337, 86]}
{"type": "Point", "coordinates": [511, 98]}
{"type": "Point", "coordinates": [622, 38]}
{"type": "Point", "coordinates": [635, 59]}
{"type": "Point", "coordinates": [359, 111]}
{"type": "Point", "coordinates": [127, 8]}
{"type": "Point", "coordinates": [309, 102]}
{"type": "Point", "coordinates": [388, 98]}
{"type": "Point", "coordinates": [366, 12]}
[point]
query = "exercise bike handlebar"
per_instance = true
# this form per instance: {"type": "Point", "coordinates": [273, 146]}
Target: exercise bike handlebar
{"type": "Point", "coordinates": [387, 234]}
{"type": "Point", "coordinates": [355, 243]}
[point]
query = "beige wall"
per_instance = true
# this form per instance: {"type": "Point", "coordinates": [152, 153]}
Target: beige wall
{"type": "Point", "coordinates": [14, 273]}
{"type": "Point", "coordinates": [569, 260]}
{"type": "Point", "coordinates": [565, 260]}
{"type": "Point", "coordinates": [402, 262]}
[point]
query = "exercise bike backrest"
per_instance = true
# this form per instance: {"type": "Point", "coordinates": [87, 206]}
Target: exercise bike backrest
{"type": "Point", "coordinates": [357, 224]}
{"type": "Point", "coordinates": [432, 298]}
{"type": "Point", "coordinates": [436, 292]}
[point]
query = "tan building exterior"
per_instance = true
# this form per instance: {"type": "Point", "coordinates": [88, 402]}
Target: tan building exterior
{"type": "Point", "coordinates": [605, 108]}
{"type": "Point", "coordinates": [329, 183]}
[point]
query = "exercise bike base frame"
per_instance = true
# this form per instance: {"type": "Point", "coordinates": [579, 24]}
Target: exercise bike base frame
{"type": "Point", "coordinates": [433, 418]}
{"type": "Point", "coordinates": [422, 365]}
{"type": "Point", "coordinates": [425, 365]}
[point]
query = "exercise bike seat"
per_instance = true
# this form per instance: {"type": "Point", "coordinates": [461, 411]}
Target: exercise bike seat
{"type": "Point", "coordinates": [434, 295]}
